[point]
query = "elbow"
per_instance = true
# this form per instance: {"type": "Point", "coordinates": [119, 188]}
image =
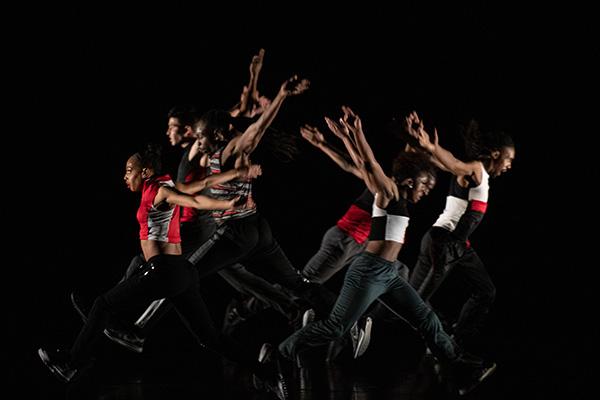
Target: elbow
{"type": "Point", "coordinates": [180, 187]}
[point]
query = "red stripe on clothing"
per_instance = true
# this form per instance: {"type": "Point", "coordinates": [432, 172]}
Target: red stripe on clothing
{"type": "Point", "coordinates": [477, 205]}
{"type": "Point", "coordinates": [356, 223]}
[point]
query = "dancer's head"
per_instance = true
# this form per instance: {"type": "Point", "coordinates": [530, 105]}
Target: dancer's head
{"type": "Point", "coordinates": [495, 149]}
{"type": "Point", "coordinates": [179, 126]}
{"type": "Point", "coordinates": [414, 174]}
{"type": "Point", "coordinates": [214, 129]}
{"type": "Point", "coordinates": [141, 166]}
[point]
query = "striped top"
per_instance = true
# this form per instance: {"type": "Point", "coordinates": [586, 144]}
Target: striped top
{"type": "Point", "coordinates": [157, 223]}
{"type": "Point", "coordinates": [230, 190]}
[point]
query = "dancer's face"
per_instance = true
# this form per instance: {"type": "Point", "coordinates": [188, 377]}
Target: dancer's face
{"type": "Point", "coordinates": [204, 142]}
{"type": "Point", "coordinates": [133, 174]}
{"type": "Point", "coordinates": [421, 187]}
{"type": "Point", "coordinates": [175, 131]}
{"type": "Point", "coordinates": [502, 161]}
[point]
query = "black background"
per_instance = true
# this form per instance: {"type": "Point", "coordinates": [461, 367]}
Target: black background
{"type": "Point", "coordinates": [90, 84]}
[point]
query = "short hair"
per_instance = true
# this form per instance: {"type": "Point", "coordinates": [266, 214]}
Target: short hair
{"type": "Point", "coordinates": [186, 114]}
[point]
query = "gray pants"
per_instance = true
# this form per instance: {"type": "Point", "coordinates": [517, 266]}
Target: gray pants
{"type": "Point", "coordinates": [337, 250]}
{"type": "Point", "coordinates": [369, 277]}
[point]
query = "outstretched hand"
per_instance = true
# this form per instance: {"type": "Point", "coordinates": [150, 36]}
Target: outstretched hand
{"type": "Point", "coordinates": [312, 135]}
{"type": "Point", "coordinates": [257, 62]}
{"type": "Point", "coordinates": [414, 127]}
{"type": "Point", "coordinates": [351, 120]}
{"type": "Point", "coordinates": [340, 130]}
{"type": "Point", "coordinates": [294, 86]}
{"type": "Point", "coordinates": [251, 172]}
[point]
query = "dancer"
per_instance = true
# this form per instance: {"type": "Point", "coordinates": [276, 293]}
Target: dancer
{"type": "Point", "coordinates": [167, 274]}
{"type": "Point", "coordinates": [245, 235]}
{"type": "Point", "coordinates": [445, 248]}
{"type": "Point", "coordinates": [373, 274]}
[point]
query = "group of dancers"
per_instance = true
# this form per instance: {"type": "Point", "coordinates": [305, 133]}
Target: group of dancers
{"type": "Point", "coordinates": [206, 221]}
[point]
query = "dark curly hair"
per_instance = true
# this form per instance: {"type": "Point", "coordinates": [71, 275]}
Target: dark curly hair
{"type": "Point", "coordinates": [412, 165]}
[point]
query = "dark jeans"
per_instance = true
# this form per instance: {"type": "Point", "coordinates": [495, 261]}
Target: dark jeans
{"type": "Point", "coordinates": [443, 253]}
{"type": "Point", "coordinates": [368, 278]}
{"type": "Point", "coordinates": [166, 276]}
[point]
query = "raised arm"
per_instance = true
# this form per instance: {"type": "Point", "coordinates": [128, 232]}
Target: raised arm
{"type": "Point", "coordinates": [249, 100]}
{"type": "Point", "coordinates": [316, 138]}
{"type": "Point", "coordinates": [375, 179]}
{"type": "Point", "coordinates": [254, 133]}
{"type": "Point", "coordinates": [415, 128]}
{"type": "Point", "coordinates": [251, 171]}
{"type": "Point", "coordinates": [383, 184]}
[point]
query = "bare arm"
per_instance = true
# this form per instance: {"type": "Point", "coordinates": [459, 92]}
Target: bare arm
{"type": "Point", "coordinates": [378, 181]}
{"type": "Point", "coordinates": [316, 138]}
{"type": "Point", "coordinates": [200, 202]}
{"type": "Point", "coordinates": [410, 149]}
{"type": "Point", "coordinates": [372, 173]}
{"type": "Point", "coordinates": [248, 141]}
{"type": "Point", "coordinates": [250, 96]}
{"type": "Point", "coordinates": [251, 171]}
{"type": "Point", "coordinates": [444, 157]}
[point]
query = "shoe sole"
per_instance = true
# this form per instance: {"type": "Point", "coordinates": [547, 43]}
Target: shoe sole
{"type": "Point", "coordinates": [308, 317]}
{"type": "Point", "coordinates": [485, 375]}
{"type": "Point", "coordinates": [364, 338]}
{"type": "Point", "coordinates": [46, 360]}
{"type": "Point", "coordinates": [265, 350]}
{"type": "Point", "coordinates": [123, 343]}
{"type": "Point", "coordinates": [78, 308]}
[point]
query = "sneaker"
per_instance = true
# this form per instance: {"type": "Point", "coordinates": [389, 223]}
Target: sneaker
{"type": "Point", "coordinates": [82, 309]}
{"type": "Point", "coordinates": [308, 317]}
{"type": "Point", "coordinates": [128, 339]}
{"type": "Point", "coordinates": [362, 336]}
{"type": "Point", "coordinates": [57, 363]}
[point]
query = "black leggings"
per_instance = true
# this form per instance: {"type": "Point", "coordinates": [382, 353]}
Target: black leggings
{"type": "Point", "coordinates": [164, 276]}
{"type": "Point", "coordinates": [250, 241]}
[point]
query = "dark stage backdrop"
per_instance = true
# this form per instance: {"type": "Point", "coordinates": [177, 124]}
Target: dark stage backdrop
{"type": "Point", "coordinates": [93, 84]}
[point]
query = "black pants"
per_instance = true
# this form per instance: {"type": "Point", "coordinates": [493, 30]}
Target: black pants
{"type": "Point", "coordinates": [164, 276]}
{"type": "Point", "coordinates": [443, 253]}
{"type": "Point", "coordinates": [249, 241]}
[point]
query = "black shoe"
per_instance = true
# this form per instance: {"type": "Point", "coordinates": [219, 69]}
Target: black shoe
{"type": "Point", "coordinates": [469, 371]}
{"type": "Point", "coordinates": [272, 376]}
{"type": "Point", "coordinates": [57, 362]}
{"type": "Point", "coordinates": [127, 339]}
{"type": "Point", "coordinates": [232, 318]}
{"type": "Point", "coordinates": [308, 317]}
{"type": "Point", "coordinates": [78, 304]}
{"type": "Point", "coordinates": [263, 357]}
{"type": "Point", "coordinates": [476, 378]}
